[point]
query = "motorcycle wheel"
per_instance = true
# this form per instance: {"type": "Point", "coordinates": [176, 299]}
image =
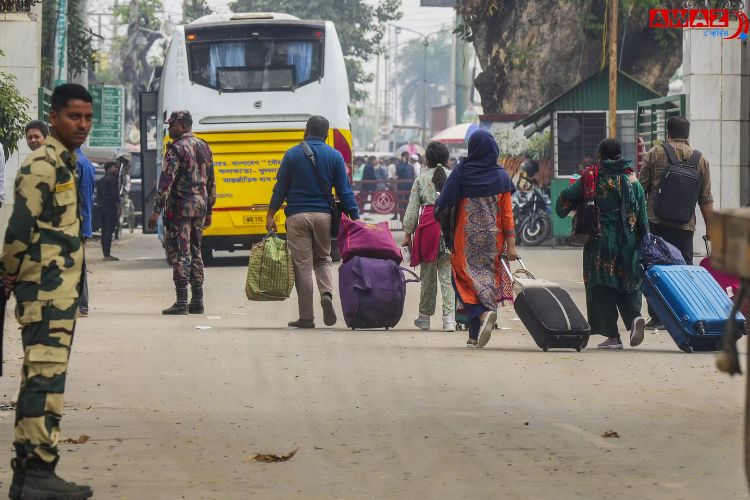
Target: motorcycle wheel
{"type": "Point", "coordinates": [535, 230]}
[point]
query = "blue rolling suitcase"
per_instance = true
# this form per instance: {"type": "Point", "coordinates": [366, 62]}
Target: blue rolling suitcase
{"type": "Point", "coordinates": [691, 305]}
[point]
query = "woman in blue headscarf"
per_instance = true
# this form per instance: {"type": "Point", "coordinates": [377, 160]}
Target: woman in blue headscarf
{"type": "Point", "coordinates": [475, 213]}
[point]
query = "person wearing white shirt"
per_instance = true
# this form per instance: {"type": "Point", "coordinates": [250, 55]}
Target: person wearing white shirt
{"type": "Point", "coordinates": [415, 163]}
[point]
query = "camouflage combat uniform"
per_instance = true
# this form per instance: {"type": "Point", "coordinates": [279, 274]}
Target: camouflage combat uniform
{"type": "Point", "coordinates": [186, 193]}
{"type": "Point", "coordinates": [44, 252]}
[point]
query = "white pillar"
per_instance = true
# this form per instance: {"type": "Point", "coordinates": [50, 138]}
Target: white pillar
{"type": "Point", "coordinates": [21, 41]}
{"type": "Point", "coordinates": [717, 81]}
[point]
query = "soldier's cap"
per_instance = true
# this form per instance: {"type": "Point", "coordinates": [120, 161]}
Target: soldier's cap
{"type": "Point", "coordinates": [180, 115]}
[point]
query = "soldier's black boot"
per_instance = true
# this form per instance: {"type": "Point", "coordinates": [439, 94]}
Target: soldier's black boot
{"type": "Point", "coordinates": [19, 474]}
{"type": "Point", "coordinates": [181, 305]}
{"type": "Point", "coordinates": [196, 300]}
{"type": "Point", "coordinates": [38, 481]}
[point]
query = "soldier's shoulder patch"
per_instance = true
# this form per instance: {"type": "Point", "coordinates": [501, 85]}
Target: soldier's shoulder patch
{"type": "Point", "coordinates": [65, 186]}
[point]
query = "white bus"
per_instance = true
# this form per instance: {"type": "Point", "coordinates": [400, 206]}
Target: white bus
{"type": "Point", "coordinates": [251, 81]}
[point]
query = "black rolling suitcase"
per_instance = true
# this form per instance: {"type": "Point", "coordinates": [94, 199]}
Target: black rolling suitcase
{"type": "Point", "coordinates": [548, 312]}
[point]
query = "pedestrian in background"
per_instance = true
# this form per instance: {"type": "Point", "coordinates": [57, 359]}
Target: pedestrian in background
{"type": "Point", "coordinates": [475, 212]}
{"type": "Point", "coordinates": [308, 216]}
{"type": "Point", "coordinates": [415, 165]}
{"type": "Point", "coordinates": [428, 248]}
{"type": "Point", "coordinates": [108, 199]}
{"type": "Point", "coordinates": [678, 234]}
{"type": "Point", "coordinates": [45, 279]}
{"type": "Point", "coordinates": [611, 269]}
{"type": "Point", "coordinates": [86, 178]}
{"type": "Point", "coordinates": [369, 174]}
{"type": "Point", "coordinates": [186, 193]}
{"type": "Point", "coordinates": [36, 134]}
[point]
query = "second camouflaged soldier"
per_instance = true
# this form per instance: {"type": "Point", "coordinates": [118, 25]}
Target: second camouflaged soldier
{"type": "Point", "coordinates": [186, 193]}
{"type": "Point", "coordinates": [41, 263]}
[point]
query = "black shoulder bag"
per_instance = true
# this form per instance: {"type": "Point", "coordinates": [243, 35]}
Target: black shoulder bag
{"type": "Point", "coordinates": [336, 207]}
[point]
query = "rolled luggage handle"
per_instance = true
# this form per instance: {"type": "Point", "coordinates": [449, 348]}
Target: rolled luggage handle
{"type": "Point", "coordinates": [514, 275]}
{"type": "Point", "coordinates": [416, 278]}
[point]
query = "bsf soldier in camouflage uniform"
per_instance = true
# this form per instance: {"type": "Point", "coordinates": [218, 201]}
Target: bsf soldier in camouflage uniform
{"type": "Point", "coordinates": [186, 193]}
{"type": "Point", "coordinates": [42, 262]}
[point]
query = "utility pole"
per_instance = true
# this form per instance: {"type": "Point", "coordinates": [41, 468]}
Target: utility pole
{"type": "Point", "coordinates": [377, 101]}
{"type": "Point", "coordinates": [612, 15]}
{"type": "Point", "coordinates": [425, 43]}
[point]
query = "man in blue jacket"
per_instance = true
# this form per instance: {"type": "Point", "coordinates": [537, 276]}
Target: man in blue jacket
{"type": "Point", "coordinates": [86, 176]}
{"type": "Point", "coordinates": [308, 217]}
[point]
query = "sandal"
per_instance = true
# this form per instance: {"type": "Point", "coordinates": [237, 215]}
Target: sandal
{"type": "Point", "coordinates": [473, 344]}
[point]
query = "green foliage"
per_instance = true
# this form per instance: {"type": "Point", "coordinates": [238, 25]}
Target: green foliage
{"type": "Point", "coordinates": [193, 9]}
{"type": "Point", "coordinates": [148, 11]}
{"type": "Point", "coordinates": [13, 117]}
{"type": "Point", "coordinates": [360, 26]}
{"type": "Point", "coordinates": [522, 55]}
{"type": "Point", "coordinates": [414, 62]}
{"type": "Point", "coordinates": [81, 55]}
{"type": "Point", "coordinates": [539, 145]}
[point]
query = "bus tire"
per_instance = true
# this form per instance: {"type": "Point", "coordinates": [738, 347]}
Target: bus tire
{"type": "Point", "coordinates": [208, 254]}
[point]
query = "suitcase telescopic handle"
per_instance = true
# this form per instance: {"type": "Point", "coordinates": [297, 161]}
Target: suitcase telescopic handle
{"type": "Point", "coordinates": [514, 276]}
{"type": "Point", "coordinates": [706, 241]}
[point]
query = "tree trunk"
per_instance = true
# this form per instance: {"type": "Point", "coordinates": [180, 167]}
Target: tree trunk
{"type": "Point", "coordinates": [531, 51]}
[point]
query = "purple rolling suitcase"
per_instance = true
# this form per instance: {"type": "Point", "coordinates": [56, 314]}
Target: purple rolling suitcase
{"type": "Point", "coordinates": [372, 292]}
{"type": "Point", "coordinates": [691, 305]}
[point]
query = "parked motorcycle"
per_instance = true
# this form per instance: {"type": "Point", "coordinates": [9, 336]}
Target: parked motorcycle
{"type": "Point", "coordinates": [531, 211]}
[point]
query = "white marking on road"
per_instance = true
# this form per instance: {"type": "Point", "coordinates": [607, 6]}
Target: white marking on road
{"type": "Point", "coordinates": [199, 327]}
{"type": "Point", "coordinates": [597, 441]}
{"type": "Point", "coordinates": [213, 317]}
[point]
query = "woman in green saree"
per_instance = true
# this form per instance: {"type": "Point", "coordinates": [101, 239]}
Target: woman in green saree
{"type": "Point", "coordinates": [611, 269]}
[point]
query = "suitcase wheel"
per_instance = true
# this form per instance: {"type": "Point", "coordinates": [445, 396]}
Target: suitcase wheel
{"type": "Point", "coordinates": [578, 348]}
{"type": "Point", "coordinates": [686, 348]}
{"type": "Point", "coordinates": [545, 348]}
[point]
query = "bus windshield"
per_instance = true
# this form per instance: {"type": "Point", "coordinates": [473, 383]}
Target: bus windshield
{"type": "Point", "coordinates": [255, 65]}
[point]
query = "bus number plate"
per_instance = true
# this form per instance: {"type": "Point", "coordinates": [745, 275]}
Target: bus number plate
{"type": "Point", "coordinates": [253, 219]}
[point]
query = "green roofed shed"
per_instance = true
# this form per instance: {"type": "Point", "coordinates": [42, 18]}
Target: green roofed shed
{"type": "Point", "coordinates": [579, 118]}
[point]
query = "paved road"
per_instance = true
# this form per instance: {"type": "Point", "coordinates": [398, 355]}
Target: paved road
{"type": "Point", "coordinates": [173, 409]}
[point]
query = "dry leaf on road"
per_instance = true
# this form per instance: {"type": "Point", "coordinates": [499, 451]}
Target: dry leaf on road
{"type": "Point", "coordinates": [270, 458]}
{"type": "Point", "coordinates": [80, 440]}
{"type": "Point", "coordinates": [610, 434]}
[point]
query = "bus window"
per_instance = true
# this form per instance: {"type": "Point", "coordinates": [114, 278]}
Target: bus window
{"type": "Point", "coordinates": [255, 65]}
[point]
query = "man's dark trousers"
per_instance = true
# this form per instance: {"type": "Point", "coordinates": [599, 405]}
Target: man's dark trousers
{"type": "Point", "coordinates": [109, 220]}
{"type": "Point", "coordinates": [681, 239]}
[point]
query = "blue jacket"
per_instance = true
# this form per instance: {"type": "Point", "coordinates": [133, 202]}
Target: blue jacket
{"type": "Point", "coordinates": [86, 178]}
{"type": "Point", "coordinates": [297, 184]}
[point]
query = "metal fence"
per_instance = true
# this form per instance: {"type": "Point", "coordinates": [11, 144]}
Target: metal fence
{"type": "Point", "coordinates": [653, 115]}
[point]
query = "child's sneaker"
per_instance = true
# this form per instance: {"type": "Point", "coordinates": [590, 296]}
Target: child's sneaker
{"type": "Point", "coordinates": [449, 324]}
{"type": "Point", "coordinates": [422, 322]}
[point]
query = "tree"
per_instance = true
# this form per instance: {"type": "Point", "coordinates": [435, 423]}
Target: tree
{"type": "Point", "coordinates": [193, 9]}
{"type": "Point", "coordinates": [141, 17]}
{"type": "Point", "coordinates": [416, 64]}
{"type": "Point", "coordinates": [531, 52]}
{"type": "Point", "coordinates": [80, 52]}
{"type": "Point", "coordinates": [13, 117]}
{"type": "Point", "coordinates": [359, 24]}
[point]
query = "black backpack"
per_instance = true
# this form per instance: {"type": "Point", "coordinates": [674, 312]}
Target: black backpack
{"type": "Point", "coordinates": [679, 188]}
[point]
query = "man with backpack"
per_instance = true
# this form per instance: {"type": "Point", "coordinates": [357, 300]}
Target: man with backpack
{"type": "Point", "coordinates": [675, 178]}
